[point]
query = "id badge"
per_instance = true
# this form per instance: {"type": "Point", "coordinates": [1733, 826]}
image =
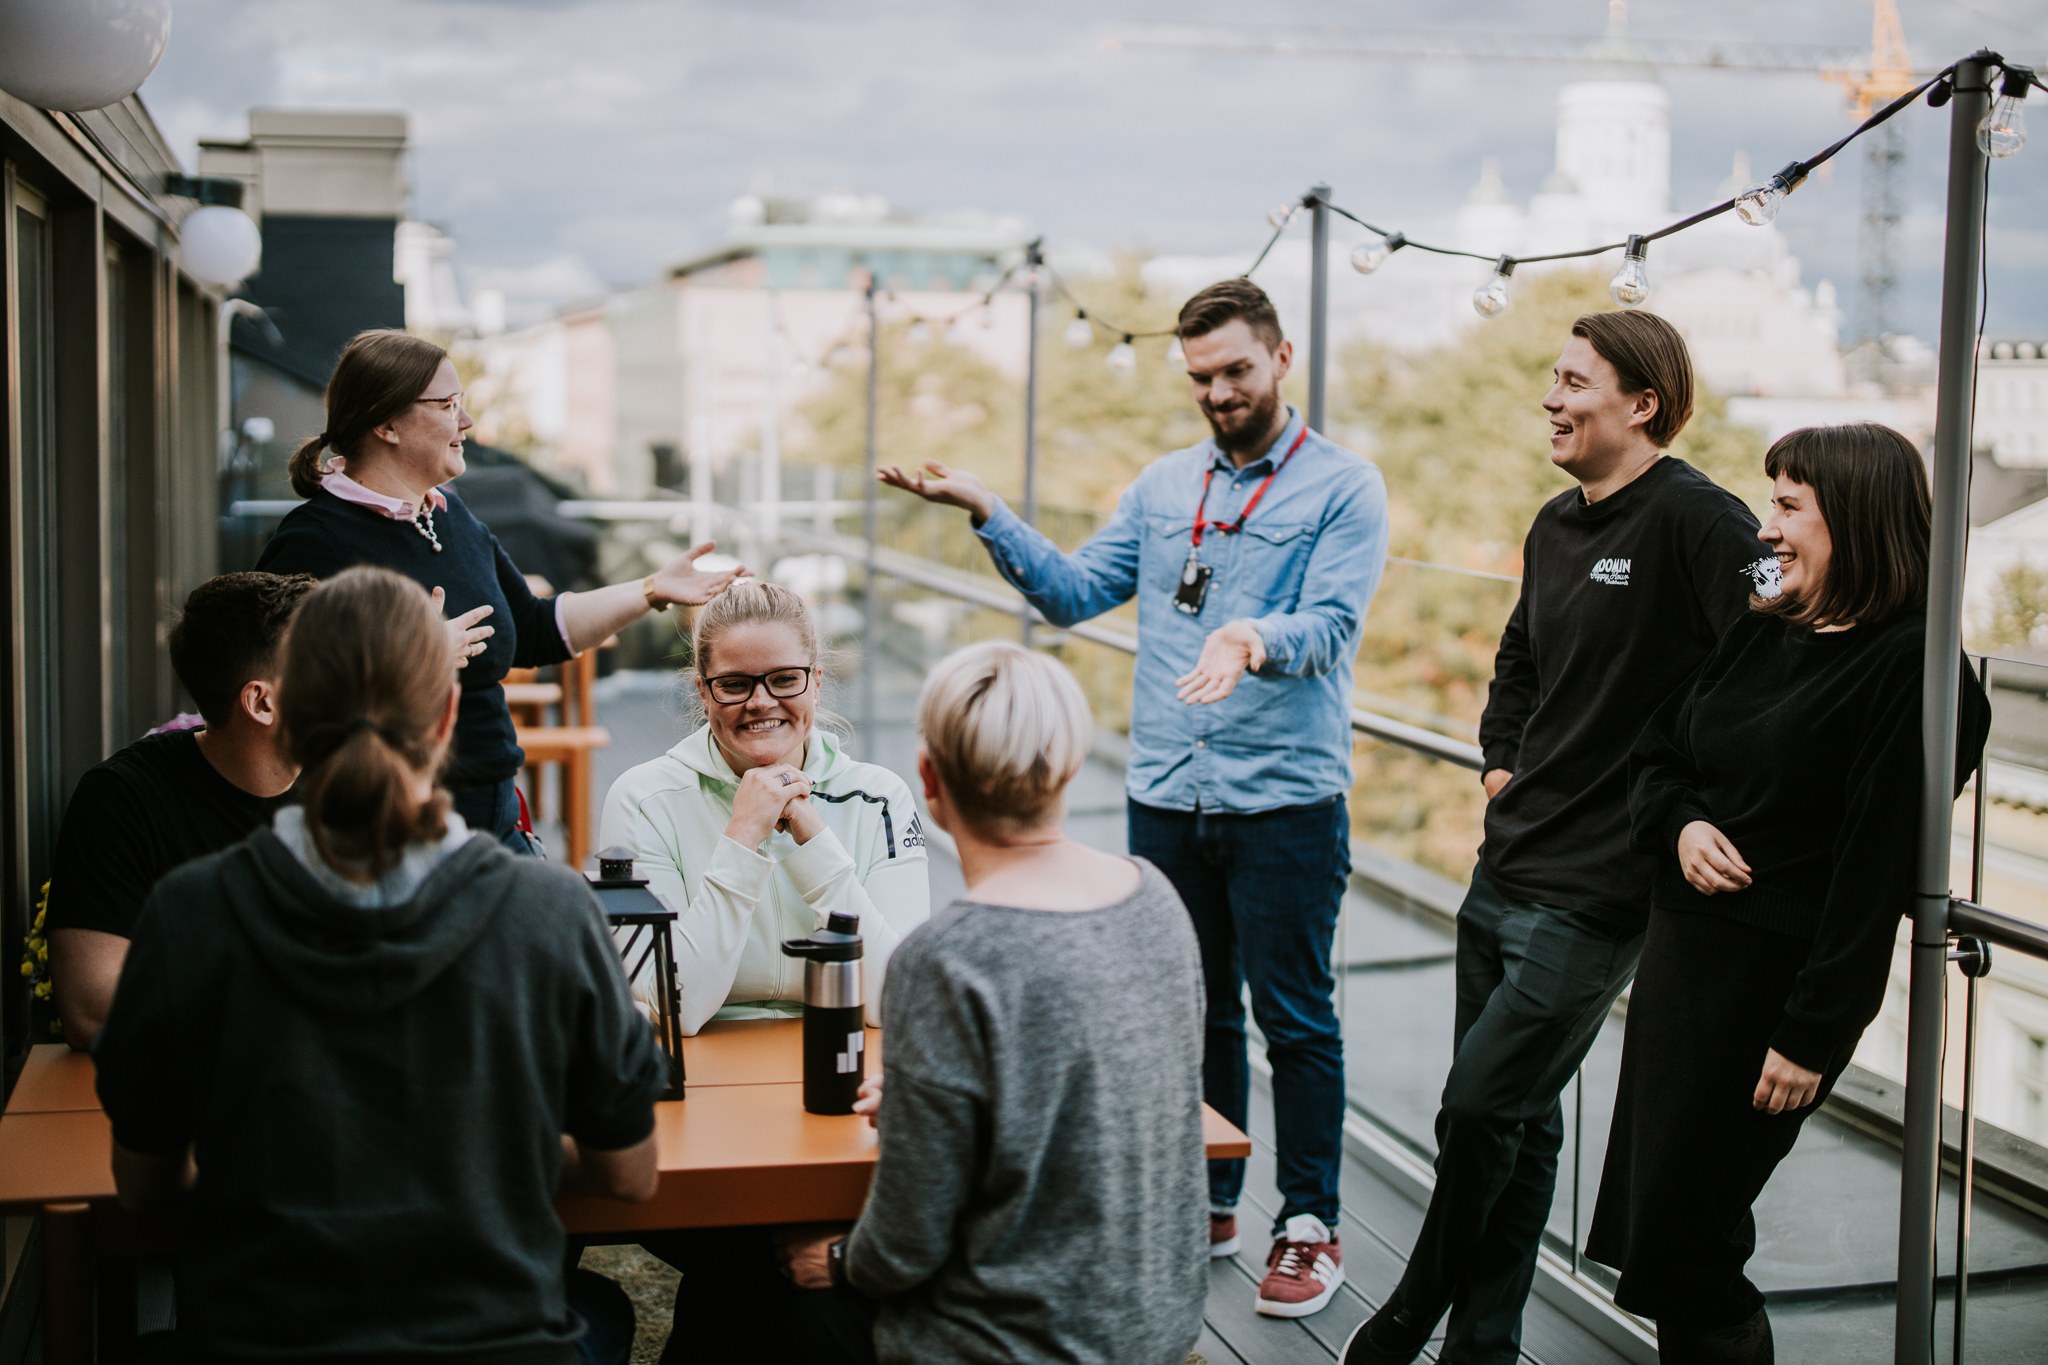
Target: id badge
{"type": "Point", "coordinates": [1193, 587]}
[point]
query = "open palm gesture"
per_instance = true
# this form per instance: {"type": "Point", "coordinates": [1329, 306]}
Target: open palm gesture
{"type": "Point", "coordinates": [941, 484]}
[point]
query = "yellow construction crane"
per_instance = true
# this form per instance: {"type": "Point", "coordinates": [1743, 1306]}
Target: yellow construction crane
{"type": "Point", "coordinates": [1872, 80]}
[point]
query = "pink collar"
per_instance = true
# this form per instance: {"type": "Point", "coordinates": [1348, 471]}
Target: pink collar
{"type": "Point", "coordinates": [398, 509]}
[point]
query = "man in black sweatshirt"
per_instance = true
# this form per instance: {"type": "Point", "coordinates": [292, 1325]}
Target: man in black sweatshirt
{"type": "Point", "coordinates": [1627, 581]}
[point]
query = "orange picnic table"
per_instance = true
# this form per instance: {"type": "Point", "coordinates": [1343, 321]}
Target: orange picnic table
{"type": "Point", "coordinates": [738, 1150]}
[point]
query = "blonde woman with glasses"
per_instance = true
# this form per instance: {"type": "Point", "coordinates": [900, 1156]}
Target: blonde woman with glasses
{"type": "Point", "coordinates": [756, 828]}
{"type": "Point", "coordinates": [759, 825]}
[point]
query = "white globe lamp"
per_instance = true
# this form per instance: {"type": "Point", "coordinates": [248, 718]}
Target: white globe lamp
{"type": "Point", "coordinates": [75, 55]}
{"type": "Point", "coordinates": [219, 245]}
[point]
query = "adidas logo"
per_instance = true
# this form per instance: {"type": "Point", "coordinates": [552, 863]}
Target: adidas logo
{"type": "Point", "coordinates": [1612, 572]}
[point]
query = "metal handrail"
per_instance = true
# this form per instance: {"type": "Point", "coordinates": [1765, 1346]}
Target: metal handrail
{"type": "Point", "coordinates": [1997, 927]}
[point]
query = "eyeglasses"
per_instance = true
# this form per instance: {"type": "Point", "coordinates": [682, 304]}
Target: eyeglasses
{"type": "Point", "coordinates": [731, 689]}
{"type": "Point", "coordinates": [448, 404]}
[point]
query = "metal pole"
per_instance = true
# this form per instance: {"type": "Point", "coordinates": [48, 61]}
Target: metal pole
{"type": "Point", "coordinates": [1034, 258]}
{"type": "Point", "coordinates": [1318, 302]}
{"type": "Point", "coordinates": [1920, 1164]}
{"type": "Point", "coordinates": [1974, 957]}
{"type": "Point", "coordinates": [771, 428]}
{"type": "Point", "coordinates": [869, 514]}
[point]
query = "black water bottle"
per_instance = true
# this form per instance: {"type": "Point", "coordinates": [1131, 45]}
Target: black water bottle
{"type": "Point", "coordinates": [835, 1020]}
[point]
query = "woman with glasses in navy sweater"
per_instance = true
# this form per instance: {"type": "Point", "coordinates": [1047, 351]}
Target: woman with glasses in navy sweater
{"type": "Point", "coordinates": [376, 489]}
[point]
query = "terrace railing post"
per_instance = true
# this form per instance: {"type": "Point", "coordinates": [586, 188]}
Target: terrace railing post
{"type": "Point", "coordinates": [870, 522]}
{"type": "Point", "coordinates": [1920, 1166]}
{"type": "Point", "coordinates": [1034, 260]}
{"type": "Point", "coordinates": [1318, 303]}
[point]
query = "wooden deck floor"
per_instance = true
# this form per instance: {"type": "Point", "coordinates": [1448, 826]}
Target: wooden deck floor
{"type": "Point", "coordinates": [1379, 1225]}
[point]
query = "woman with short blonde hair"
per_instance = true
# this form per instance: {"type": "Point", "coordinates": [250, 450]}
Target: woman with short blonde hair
{"type": "Point", "coordinates": [1044, 1079]}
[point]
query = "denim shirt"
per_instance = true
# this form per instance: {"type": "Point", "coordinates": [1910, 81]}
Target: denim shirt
{"type": "Point", "coordinates": [1302, 571]}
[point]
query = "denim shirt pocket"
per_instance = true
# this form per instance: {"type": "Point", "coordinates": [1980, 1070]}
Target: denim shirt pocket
{"type": "Point", "coordinates": [1165, 552]}
{"type": "Point", "coordinates": [1271, 559]}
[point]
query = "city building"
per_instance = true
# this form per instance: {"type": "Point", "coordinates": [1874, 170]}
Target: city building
{"type": "Point", "coordinates": [658, 386]}
{"type": "Point", "coordinates": [328, 187]}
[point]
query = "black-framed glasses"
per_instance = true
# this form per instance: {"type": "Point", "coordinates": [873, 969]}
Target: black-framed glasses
{"type": "Point", "coordinates": [731, 689]}
{"type": "Point", "coordinates": [448, 404]}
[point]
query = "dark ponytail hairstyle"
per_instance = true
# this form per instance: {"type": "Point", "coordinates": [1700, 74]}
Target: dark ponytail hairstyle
{"type": "Point", "coordinates": [379, 375]}
{"type": "Point", "coordinates": [367, 672]}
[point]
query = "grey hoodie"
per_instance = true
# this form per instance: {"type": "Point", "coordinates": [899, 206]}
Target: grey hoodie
{"type": "Point", "coordinates": [375, 1098]}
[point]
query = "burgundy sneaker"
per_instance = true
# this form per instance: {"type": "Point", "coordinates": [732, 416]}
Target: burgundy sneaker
{"type": "Point", "coordinates": [1303, 1270]}
{"type": "Point", "coordinates": [1223, 1238]}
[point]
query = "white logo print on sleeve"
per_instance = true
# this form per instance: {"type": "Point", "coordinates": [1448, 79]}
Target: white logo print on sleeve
{"type": "Point", "coordinates": [1612, 572]}
{"type": "Point", "coordinates": [1764, 576]}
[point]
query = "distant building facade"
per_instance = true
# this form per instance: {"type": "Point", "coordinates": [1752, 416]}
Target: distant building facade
{"type": "Point", "coordinates": [673, 383]}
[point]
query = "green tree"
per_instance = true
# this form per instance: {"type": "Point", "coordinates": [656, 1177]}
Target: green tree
{"type": "Point", "coordinates": [2018, 616]}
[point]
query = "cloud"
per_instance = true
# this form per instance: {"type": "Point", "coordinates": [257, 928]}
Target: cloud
{"type": "Point", "coordinates": [616, 131]}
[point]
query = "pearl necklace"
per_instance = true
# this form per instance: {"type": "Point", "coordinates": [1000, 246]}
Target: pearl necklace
{"type": "Point", "coordinates": [423, 522]}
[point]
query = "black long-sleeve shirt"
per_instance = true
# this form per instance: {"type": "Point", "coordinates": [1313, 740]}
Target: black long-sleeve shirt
{"type": "Point", "coordinates": [324, 535]}
{"type": "Point", "coordinates": [1803, 748]}
{"type": "Point", "coordinates": [1621, 599]}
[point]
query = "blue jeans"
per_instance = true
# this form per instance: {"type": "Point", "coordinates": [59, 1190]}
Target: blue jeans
{"type": "Point", "coordinates": [1264, 892]}
{"type": "Point", "coordinates": [607, 1314]}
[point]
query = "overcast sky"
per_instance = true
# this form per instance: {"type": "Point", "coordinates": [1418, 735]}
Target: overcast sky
{"type": "Point", "coordinates": [601, 139]}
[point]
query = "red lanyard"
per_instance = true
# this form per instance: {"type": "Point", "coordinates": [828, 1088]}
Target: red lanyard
{"type": "Point", "coordinates": [1231, 528]}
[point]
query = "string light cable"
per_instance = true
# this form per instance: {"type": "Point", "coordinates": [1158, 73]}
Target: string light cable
{"type": "Point", "coordinates": [1756, 205]}
{"type": "Point", "coordinates": [2001, 133]}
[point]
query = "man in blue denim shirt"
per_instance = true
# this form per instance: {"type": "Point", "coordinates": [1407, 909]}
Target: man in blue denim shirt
{"type": "Point", "coordinates": [1248, 623]}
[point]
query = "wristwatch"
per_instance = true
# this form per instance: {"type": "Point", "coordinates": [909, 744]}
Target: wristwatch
{"type": "Point", "coordinates": [653, 603]}
{"type": "Point", "coordinates": [835, 1262]}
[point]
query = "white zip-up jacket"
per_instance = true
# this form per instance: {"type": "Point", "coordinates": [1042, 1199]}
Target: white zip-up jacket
{"type": "Point", "coordinates": [735, 905]}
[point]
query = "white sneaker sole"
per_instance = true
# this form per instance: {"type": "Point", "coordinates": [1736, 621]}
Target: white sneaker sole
{"type": "Point", "coordinates": [1273, 1308]}
{"type": "Point", "coordinates": [1218, 1250]}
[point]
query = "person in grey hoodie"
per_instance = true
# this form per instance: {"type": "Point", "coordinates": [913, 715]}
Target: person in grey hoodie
{"type": "Point", "coordinates": [366, 1048]}
{"type": "Point", "coordinates": [1039, 1194]}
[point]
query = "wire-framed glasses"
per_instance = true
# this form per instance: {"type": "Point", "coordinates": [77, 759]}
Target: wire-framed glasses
{"type": "Point", "coordinates": [449, 403]}
{"type": "Point", "coordinates": [731, 689]}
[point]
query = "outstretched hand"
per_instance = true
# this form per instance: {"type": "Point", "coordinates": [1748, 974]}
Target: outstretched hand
{"type": "Point", "coordinates": [941, 484]}
{"type": "Point", "coordinates": [1226, 654]}
{"type": "Point", "coordinates": [682, 581]}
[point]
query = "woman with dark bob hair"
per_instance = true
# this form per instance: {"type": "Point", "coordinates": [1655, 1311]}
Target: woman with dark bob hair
{"type": "Point", "coordinates": [374, 485]}
{"type": "Point", "coordinates": [1780, 791]}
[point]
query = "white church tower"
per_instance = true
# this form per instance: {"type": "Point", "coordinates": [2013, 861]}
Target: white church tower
{"type": "Point", "coordinates": [1614, 134]}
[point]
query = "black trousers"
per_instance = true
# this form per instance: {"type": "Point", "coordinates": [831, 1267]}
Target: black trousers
{"type": "Point", "coordinates": [735, 1305]}
{"type": "Point", "coordinates": [1535, 982]}
{"type": "Point", "coordinates": [1688, 1154]}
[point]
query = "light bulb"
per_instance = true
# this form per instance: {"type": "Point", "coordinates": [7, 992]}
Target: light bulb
{"type": "Point", "coordinates": [1491, 298]}
{"type": "Point", "coordinates": [1122, 358]}
{"type": "Point", "coordinates": [2004, 129]}
{"type": "Point", "coordinates": [1280, 215]}
{"type": "Point", "coordinates": [1080, 332]}
{"type": "Point", "coordinates": [920, 333]}
{"type": "Point", "coordinates": [1631, 284]}
{"type": "Point", "coordinates": [1759, 204]}
{"type": "Point", "coordinates": [1367, 257]}
{"type": "Point", "coordinates": [1176, 355]}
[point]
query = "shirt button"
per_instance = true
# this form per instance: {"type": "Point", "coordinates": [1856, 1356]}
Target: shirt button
{"type": "Point", "coordinates": [1201, 744]}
